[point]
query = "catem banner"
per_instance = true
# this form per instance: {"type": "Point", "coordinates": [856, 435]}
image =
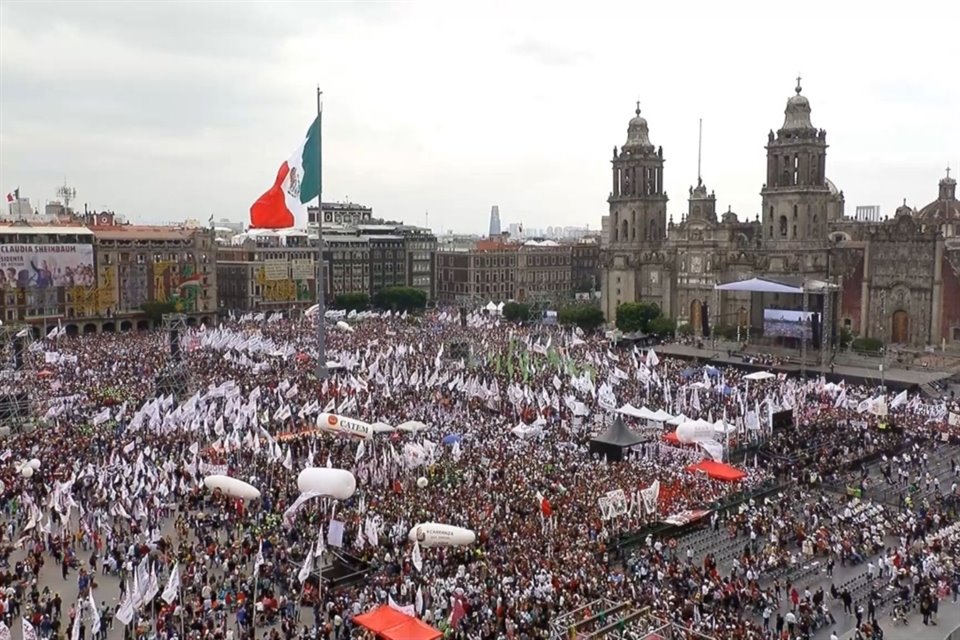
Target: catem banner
{"type": "Point", "coordinates": [41, 266]}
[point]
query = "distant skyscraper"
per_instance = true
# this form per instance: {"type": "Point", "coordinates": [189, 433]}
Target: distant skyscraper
{"type": "Point", "coordinates": [494, 221]}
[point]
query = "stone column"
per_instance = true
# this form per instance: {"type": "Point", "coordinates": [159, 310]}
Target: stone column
{"type": "Point", "coordinates": [934, 332]}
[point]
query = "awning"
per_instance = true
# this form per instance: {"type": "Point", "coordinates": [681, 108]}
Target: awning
{"type": "Point", "coordinates": [759, 285]}
{"type": "Point", "coordinates": [390, 624]}
{"type": "Point", "coordinates": [717, 470]}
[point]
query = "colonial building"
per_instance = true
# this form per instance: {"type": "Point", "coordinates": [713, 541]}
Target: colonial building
{"type": "Point", "coordinates": [500, 271]}
{"type": "Point", "coordinates": [137, 264]}
{"type": "Point", "coordinates": [897, 278]}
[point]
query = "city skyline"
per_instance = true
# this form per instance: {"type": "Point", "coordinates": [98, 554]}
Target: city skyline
{"type": "Point", "coordinates": [96, 94]}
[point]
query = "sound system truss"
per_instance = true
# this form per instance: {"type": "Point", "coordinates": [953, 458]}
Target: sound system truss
{"type": "Point", "coordinates": [18, 377]}
{"type": "Point", "coordinates": [174, 378]}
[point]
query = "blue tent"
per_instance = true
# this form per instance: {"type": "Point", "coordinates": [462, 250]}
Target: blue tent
{"type": "Point", "coordinates": [451, 438]}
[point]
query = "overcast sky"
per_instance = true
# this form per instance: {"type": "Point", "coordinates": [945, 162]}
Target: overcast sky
{"type": "Point", "coordinates": [171, 110]}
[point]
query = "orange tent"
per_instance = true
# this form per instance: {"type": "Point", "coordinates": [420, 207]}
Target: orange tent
{"type": "Point", "coordinates": [718, 470]}
{"type": "Point", "coordinates": [390, 624]}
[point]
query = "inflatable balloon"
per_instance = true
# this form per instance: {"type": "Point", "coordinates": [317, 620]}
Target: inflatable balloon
{"type": "Point", "coordinates": [233, 487]}
{"type": "Point", "coordinates": [334, 483]}
{"type": "Point", "coordinates": [422, 482]}
{"type": "Point", "coordinates": [695, 431]}
{"type": "Point", "coordinates": [27, 472]}
{"type": "Point", "coordinates": [34, 464]}
{"type": "Point", "coordinates": [431, 534]}
{"type": "Point", "coordinates": [349, 426]}
{"type": "Point", "coordinates": [344, 326]}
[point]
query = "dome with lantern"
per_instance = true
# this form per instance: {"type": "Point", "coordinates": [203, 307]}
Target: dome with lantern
{"type": "Point", "coordinates": [638, 134]}
{"type": "Point", "coordinates": [946, 207]}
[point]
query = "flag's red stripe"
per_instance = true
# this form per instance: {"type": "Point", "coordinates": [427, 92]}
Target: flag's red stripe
{"type": "Point", "coordinates": [270, 209]}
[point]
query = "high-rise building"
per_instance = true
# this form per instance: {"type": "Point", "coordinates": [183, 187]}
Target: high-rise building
{"type": "Point", "coordinates": [494, 221]}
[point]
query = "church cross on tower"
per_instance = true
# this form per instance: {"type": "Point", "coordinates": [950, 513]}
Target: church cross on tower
{"type": "Point", "coordinates": [948, 170]}
{"type": "Point", "coordinates": [638, 107]}
{"type": "Point", "coordinates": [799, 78]}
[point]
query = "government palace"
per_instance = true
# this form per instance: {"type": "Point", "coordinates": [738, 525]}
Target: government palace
{"type": "Point", "coordinates": [897, 279]}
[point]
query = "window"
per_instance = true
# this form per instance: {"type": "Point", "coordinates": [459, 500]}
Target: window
{"type": "Point", "coordinates": [783, 226]}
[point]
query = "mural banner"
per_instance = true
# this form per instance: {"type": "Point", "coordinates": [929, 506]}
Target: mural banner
{"type": "Point", "coordinates": [24, 266]}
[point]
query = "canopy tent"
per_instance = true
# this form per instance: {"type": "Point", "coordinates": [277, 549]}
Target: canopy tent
{"type": "Point", "coordinates": [757, 376]}
{"type": "Point", "coordinates": [642, 413]}
{"type": "Point", "coordinates": [614, 440]}
{"type": "Point", "coordinates": [677, 421]}
{"type": "Point", "coordinates": [718, 470]}
{"type": "Point", "coordinates": [390, 624]}
{"type": "Point", "coordinates": [760, 285]}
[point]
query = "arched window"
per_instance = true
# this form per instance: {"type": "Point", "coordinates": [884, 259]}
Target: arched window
{"type": "Point", "coordinates": [783, 226]}
{"type": "Point", "coordinates": [624, 231]}
{"type": "Point", "coordinates": [794, 212]}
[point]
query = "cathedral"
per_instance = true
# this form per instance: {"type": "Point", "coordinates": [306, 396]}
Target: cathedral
{"type": "Point", "coordinates": [897, 279]}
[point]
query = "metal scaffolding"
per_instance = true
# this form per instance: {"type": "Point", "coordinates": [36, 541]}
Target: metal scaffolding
{"type": "Point", "coordinates": [174, 378]}
{"type": "Point", "coordinates": [18, 377]}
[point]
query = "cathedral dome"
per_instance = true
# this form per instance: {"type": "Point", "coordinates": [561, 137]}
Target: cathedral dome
{"type": "Point", "coordinates": [946, 206]}
{"type": "Point", "coordinates": [638, 135]}
{"type": "Point", "coordinates": [797, 113]}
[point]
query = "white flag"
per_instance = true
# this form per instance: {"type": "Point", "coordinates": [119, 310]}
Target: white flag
{"type": "Point", "coordinates": [75, 629]}
{"type": "Point", "coordinates": [288, 461]}
{"type": "Point", "coordinates": [416, 557]}
{"type": "Point", "coordinates": [4, 629]}
{"type": "Point", "coordinates": [307, 567]}
{"type": "Point", "coordinates": [124, 611]}
{"type": "Point", "coordinates": [94, 615]}
{"type": "Point", "coordinates": [172, 589]}
{"type": "Point", "coordinates": [29, 633]}
{"type": "Point", "coordinates": [900, 399]}
{"type": "Point", "coordinates": [419, 601]}
{"type": "Point", "coordinates": [259, 560]}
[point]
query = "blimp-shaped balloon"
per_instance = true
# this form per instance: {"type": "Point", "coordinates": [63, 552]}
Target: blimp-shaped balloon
{"type": "Point", "coordinates": [333, 483]}
{"type": "Point", "coordinates": [26, 472]}
{"type": "Point", "coordinates": [382, 427]}
{"type": "Point", "coordinates": [412, 426]}
{"type": "Point", "coordinates": [431, 534]}
{"type": "Point", "coordinates": [348, 426]}
{"type": "Point", "coordinates": [233, 487]}
{"type": "Point", "coordinates": [34, 464]}
{"type": "Point", "coordinates": [344, 326]}
{"type": "Point", "coordinates": [695, 431]}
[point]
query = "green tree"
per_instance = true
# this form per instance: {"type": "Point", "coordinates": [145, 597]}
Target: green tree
{"type": "Point", "coordinates": [868, 345]}
{"type": "Point", "coordinates": [662, 326]}
{"type": "Point", "coordinates": [587, 317]}
{"type": "Point", "coordinates": [155, 310]}
{"type": "Point", "coordinates": [400, 299]}
{"type": "Point", "coordinates": [845, 337]}
{"type": "Point", "coordinates": [351, 301]}
{"type": "Point", "coordinates": [685, 330]}
{"type": "Point", "coordinates": [635, 316]}
{"type": "Point", "coordinates": [516, 311]}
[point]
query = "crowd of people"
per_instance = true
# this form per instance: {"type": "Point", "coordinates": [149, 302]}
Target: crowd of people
{"type": "Point", "coordinates": [108, 487]}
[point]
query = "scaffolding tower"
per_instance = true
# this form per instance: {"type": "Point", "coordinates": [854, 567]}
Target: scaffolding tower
{"type": "Point", "coordinates": [174, 378]}
{"type": "Point", "coordinates": [18, 378]}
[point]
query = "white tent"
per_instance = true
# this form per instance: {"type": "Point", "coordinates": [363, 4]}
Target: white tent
{"type": "Point", "coordinates": [680, 419]}
{"type": "Point", "coordinates": [643, 412]}
{"type": "Point", "coordinates": [661, 416]}
{"type": "Point", "coordinates": [756, 376]}
{"type": "Point", "coordinates": [491, 306]}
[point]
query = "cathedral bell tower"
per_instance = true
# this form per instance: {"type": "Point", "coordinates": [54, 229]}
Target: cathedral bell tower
{"type": "Point", "coordinates": [638, 204]}
{"type": "Point", "coordinates": [636, 228]}
{"type": "Point", "coordinates": [798, 200]}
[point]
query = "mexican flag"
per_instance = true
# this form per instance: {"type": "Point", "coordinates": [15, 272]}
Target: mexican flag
{"type": "Point", "coordinates": [284, 205]}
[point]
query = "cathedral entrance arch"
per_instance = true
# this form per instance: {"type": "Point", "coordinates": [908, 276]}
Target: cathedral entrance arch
{"type": "Point", "coordinates": [900, 327]}
{"type": "Point", "coordinates": [696, 316]}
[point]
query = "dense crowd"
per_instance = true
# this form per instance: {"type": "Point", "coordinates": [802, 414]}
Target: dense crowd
{"type": "Point", "coordinates": [116, 490]}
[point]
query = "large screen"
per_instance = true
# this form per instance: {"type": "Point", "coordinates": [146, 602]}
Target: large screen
{"type": "Point", "coordinates": [786, 323]}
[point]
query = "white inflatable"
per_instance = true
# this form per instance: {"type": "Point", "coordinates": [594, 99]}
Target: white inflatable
{"type": "Point", "coordinates": [382, 427]}
{"type": "Point", "coordinates": [431, 534]}
{"type": "Point", "coordinates": [412, 426]}
{"type": "Point", "coordinates": [334, 483]}
{"type": "Point", "coordinates": [26, 472]}
{"type": "Point", "coordinates": [348, 426]}
{"type": "Point", "coordinates": [422, 482]}
{"type": "Point", "coordinates": [233, 487]}
{"type": "Point", "coordinates": [34, 464]}
{"type": "Point", "coordinates": [695, 431]}
{"type": "Point", "coordinates": [344, 326]}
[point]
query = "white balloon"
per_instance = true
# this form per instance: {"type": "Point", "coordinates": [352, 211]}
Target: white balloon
{"type": "Point", "coordinates": [695, 431]}
{"type": "Point", "coordinates": [35, 464]}
{"type": "Point", "coordinates": [431, 534]}
{"type": "Point", "coordinates": [422, 482]}
{"type": "Point", "coordinates": [26, 472]}
{"type": "Point", "coordinates": [343, 326]}
{"type": "Point", "coordinates": [349, 426]}
{"type": "Point", "coordinates": [333, 483]}
{"type": "Point", "coordinates": [233, 487]}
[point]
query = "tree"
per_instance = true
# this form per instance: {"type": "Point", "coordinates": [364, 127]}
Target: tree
{"type": "Point", "coordinates": [351, 301]}
{"type": "Point", "coordinates": [685, 330]}
{"type": "Point", "coordinates": [662, 326]}
{"type": "Point", "coordinates": [845, 337]}
{"type": "Point", "coordinates": [587, 317]}
{"type": "Point", "coordinates": [516, 311]}
{"type": "Point", "coordinates": [868, 345]}
{"type": "Point", "coordinates": [156, 309]}
{"type": "Point", "coordinates": [400, 299]}
{"type": "Point", "coordinates": [635, 316]}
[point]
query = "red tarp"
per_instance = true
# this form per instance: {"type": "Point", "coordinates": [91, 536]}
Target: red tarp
{"type": "Point", "coordinates": [390, 624]}
{"type": "Point", "coordinates": [718, 470]}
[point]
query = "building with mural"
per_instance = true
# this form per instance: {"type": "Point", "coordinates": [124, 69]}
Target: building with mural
{"type": "Point", "coordinates": [136, 265]}
{"type": "Point", "coordinates": [41, 268]}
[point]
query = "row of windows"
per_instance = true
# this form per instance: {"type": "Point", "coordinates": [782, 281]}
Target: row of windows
{"type": "Point", "coordinates": [141, 258]}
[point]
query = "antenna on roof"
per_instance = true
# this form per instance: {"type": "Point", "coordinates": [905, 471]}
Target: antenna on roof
{"type": "Point", "coordinates": [699, 152]}
{"type": "Point", "coordinates": [67, 194]}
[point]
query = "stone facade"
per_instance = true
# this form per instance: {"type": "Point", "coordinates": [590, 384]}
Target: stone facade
{"type": "Point", "coordinates": [898, 279]}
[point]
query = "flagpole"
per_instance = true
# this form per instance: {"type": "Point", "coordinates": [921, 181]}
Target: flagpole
{"type": "Point", "coordinates": [321, 275]}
